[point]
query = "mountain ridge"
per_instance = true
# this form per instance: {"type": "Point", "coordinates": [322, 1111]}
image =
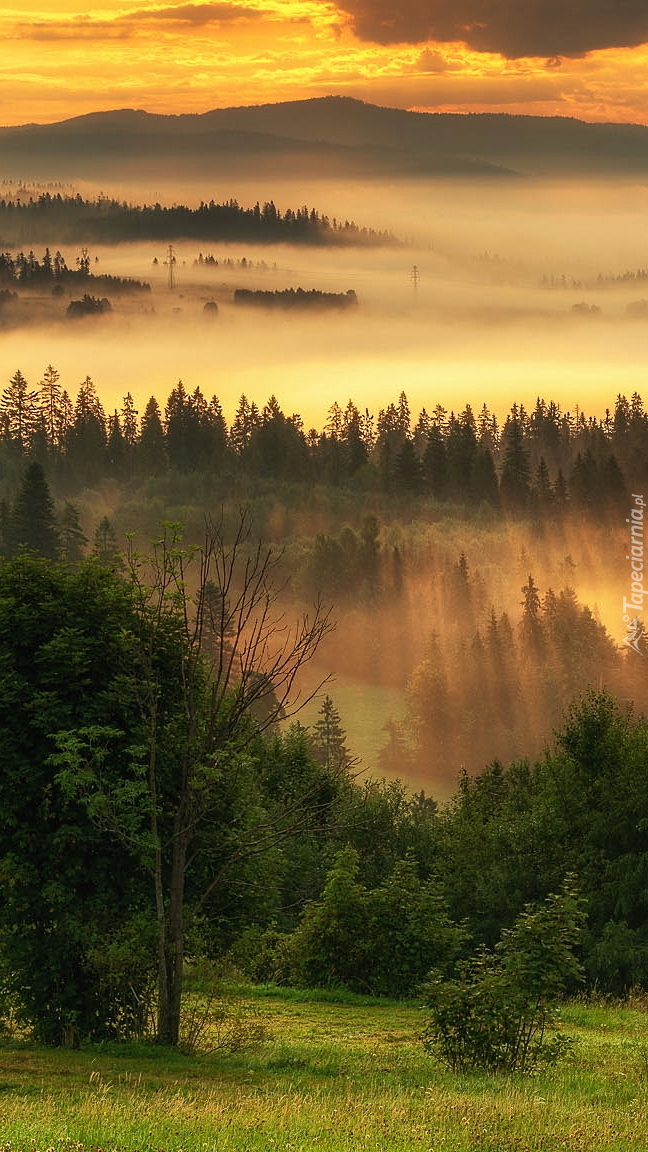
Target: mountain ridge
{"type": "Point", "coordinates": [350, 136]}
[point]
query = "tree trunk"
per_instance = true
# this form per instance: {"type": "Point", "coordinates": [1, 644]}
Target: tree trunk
{"type": "Point", "coordinates": [171, 948]}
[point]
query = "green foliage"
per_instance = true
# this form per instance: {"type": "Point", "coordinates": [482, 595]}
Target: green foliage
{"type": "Point", "coordinates": [71, 897]}
{"type": "Point", "coordinates": [496, 1013]}
{"type": "Point", "coordinates": [380, 941]}
{"type": "Point", "coordinates": [511, 834]}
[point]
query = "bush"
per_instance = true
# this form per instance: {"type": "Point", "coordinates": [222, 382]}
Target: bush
{"type": "Point", "coordinates": [88, 306]}
{"type": "Point", "coordinates": [497, 1013]}
{"type": "Point", "coordinates": [382, 941]}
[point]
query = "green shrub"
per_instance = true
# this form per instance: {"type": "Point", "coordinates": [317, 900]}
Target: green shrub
{"type": "Point", "coordinates": [382, 941]}
{"type": "Point", "coordinates": [497, 1013]}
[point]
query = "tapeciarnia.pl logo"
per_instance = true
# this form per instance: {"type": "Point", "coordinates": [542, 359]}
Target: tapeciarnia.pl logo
{"type": "Point", "coordinates": [635, 634]}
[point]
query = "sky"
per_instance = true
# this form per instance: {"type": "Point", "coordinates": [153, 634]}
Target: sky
{"type": "Point", "coordinates": [583, 58]}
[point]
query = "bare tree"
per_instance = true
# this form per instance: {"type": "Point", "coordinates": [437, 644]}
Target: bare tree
{"type": "Point", "coordinates": [239, 658]}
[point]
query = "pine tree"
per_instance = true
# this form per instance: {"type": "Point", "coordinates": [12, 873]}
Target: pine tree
{"type": "Point", "coordinates": [151, 450]}
{"type": "Point", "coordinates": [86, 439]}
{"type": "Point", "coordinates": [484, 477]}
{"type": "Point", "coordinates": [116, 446]}
{"type": "Point", "coordinates": [531, 624]}
{"type": "Point", "coordinates": [33, 524]}
{"type": "Point", "coordinates": [515, 487]}
{"type": "Point", "coordinates": [328, 739]}
{"type": "Point", "coordinates": [245, 420]}
{"type": "Point", "coordinates": [73, 540]}
{"type": "Point", "coordinates": [461, 449]}
{"type": "Point", "coordinates": [217, 431]}
{"type": "Point", "coordinates": [435, 464]}
{"type": "Point", "coordinates": [544, 493]}
{"type": "Point", "coordinates": [176, 421]}
{"type": "Point", "coordinates": [19, 410]}
{"type": "Point", "coordinates": [50, 405]}
{"type": "Point", "coordinates": [355, 450]}
{"type": "Point", "coordinates": [128, 422]}
{"type": "Point", "coordinates": [106, 548]}
{"type": "Point", "coordinates": [407, 469]}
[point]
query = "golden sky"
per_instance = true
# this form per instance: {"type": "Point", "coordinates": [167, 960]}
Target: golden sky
{"type": "Point", "coordinates": [585, 58]}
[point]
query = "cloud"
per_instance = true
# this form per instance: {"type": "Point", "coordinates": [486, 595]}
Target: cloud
{"type": "Point", "coordinates": [79, 29]}
{"type": "Point", "coordinates": [512, 28]}
{"type": "Point", "coordinates": [432, 61]}
{"type": "Point", "coordinates": [197, 15]}
{"type": "Point", "coordinates": [123, 26]}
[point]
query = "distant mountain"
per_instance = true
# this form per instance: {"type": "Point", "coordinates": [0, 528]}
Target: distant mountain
{"type": "Point", "coordinates": [331, 136]}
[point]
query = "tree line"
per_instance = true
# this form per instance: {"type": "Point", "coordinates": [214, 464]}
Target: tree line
{"type": "Point", "coordinates": [51, 271]}
{"type": "Point", "coordinates": [73, 219]}
{"type": "Point", "coordinates": [290, 298]}
{"type": "Point", "coordinates": [541, 462]}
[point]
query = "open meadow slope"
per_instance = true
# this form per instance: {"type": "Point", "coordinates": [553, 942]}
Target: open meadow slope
{"type": "Point", "coordinates": [345, 1077]}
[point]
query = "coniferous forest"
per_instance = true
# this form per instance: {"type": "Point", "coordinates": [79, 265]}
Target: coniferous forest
{"type": "Point", "coordinates": [106, 220]}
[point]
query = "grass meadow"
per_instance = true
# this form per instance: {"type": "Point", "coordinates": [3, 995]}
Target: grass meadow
{"type": "Point", "coordinates": [332, 1076]}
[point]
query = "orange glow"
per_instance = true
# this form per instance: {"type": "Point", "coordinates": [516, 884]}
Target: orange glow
{"type": "Point", "coordinates": [61, 59]}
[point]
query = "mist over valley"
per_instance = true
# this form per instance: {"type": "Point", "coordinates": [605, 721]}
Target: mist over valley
{"type": "Point", "coordinates": [470, 291]}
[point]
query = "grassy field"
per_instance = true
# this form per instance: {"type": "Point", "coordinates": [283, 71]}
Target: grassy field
{"type": "Point", "coordinates": [333, 1077]}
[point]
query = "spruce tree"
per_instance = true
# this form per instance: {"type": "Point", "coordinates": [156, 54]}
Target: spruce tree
{"type": "Point", "coordinates": [106, 548]}
{"type": "Point", "coordinates": [328, 739]}
{"type": "Point", "coordinates": [515, 486]}
{"type": "Point", "coordinates": [19, 410]}
{"type": "Point", "coordinates": [33, 524]}
{"type": "Point", "coordinates": [151, 450]}
{"type": "Point", "coordinates": [73, 540]}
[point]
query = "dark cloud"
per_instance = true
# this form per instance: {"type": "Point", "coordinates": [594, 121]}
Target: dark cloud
{"type": "Point", "coordinates": [514, 28]}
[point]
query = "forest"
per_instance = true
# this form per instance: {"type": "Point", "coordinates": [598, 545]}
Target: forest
{"type": "Point", "coordinates": [73, 219]}
{"type": "Point", "coordinates": [27, 271]}
{"type": "Point", "coordinates": [394, 520]}
{"type": "Point", "coordinates": [164, 798]}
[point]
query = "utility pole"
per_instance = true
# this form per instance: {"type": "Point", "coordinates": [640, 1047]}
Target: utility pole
{"type": "Point", "coordinates": [171, 263]}
{"type": "Point", "coordinates": [415, 277]}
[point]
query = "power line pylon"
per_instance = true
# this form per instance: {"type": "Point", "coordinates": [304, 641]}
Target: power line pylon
{"type": "Point", "coordinates": [415, 277]}
{"type": "Point", "coordinates": [171, 263]}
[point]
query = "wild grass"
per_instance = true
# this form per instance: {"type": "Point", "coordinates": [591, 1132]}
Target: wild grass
{"type": "Point", "coordinates": [336, 1077]}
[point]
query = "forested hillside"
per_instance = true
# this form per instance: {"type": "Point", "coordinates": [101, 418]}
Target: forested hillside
{"type": "Point", "coordinates": [453, 548]}
{"type": "Point", "coordinates": [73, 219]}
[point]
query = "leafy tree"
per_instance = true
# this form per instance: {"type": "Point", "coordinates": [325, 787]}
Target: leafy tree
{"type": "Point", "coordinates": [76, 928]}
{"type": "Point", "coordinates": [223, 663]}
{"type": "Point", "coordinates": [382, 941]}
{"type": "Point", "coordinates": [496, 1014]}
